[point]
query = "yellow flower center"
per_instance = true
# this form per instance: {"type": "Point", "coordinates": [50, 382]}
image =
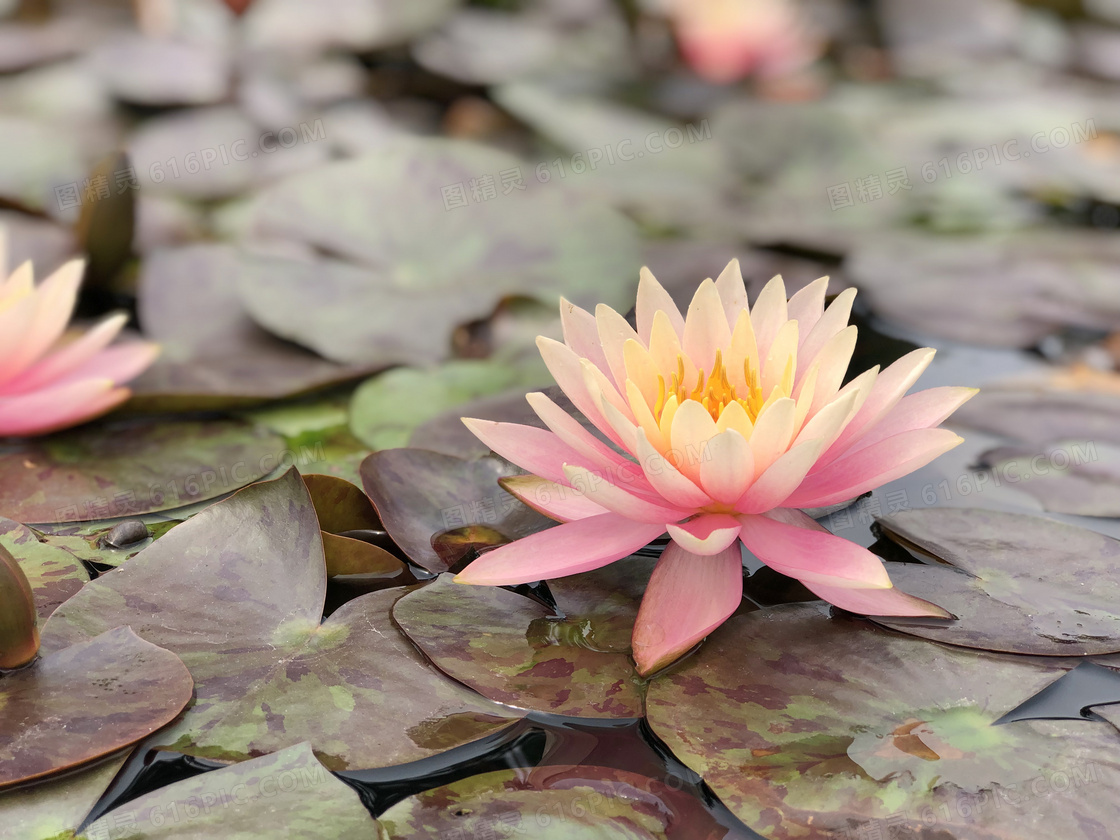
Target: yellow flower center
{"type": "Point", "coordinates": [715, 392]}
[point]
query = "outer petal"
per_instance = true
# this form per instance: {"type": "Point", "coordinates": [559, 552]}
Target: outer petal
{"type": "Point", "coordinates": [572, 432]}
{"type": "Point", "coordinates": [58, 407]}
{"type": "Point", "coordinates": [707, 534]}
{"type": "Point", "coordinates": [869, 468]}
{"type": "Point", "coordinates": [565, 367]}
{"type": "Point", "coordinates": [567, 549]}
{"type": "Point", "coordinates": [536, 450]}
{"type": "Point", "coordinates": [808, 554]}
{"type": "Point", "coordinates": [614, 332]}
{"type": "Point", "coordinates": [553, 500]}
{"type": "Point", "coordinates": [687, 598]}
{"type": "Point", "coordinates": [603, 491]}
{"type": "Point", "coordinates": [781, 478]}
{"type": "Point", "coordinates": [893, 602]}
{"type": "Point", "coordinates": [68, 357]}
{"type": "Point", "coordinates": [121, 362]}
{"type": "Point", "coordinates": [581, 334]}
{"type": "Point", "coordinates": [651, 298]}
{"type": "Point", "coordinates": [807, 306]}
{"type": "Point", "coordinates": [53, 304]}
{"type": "Point", "coordinates": [922, 410]}
{"type": "Point", "coordinates": [835, 319]}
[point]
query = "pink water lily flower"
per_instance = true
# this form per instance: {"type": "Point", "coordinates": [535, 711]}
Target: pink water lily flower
{"type": "Point", "coordinates": [50, 379]}
{"type": "Point", "coordinates": [732, 421]}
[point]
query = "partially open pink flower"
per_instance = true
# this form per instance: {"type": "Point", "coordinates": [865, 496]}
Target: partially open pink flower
{"type": "Point", "coordinates": [732, 421]}
{"type": "Point", "coordinates": [49, 380]}
{"type": "Point", "coordinates": [728, 40]}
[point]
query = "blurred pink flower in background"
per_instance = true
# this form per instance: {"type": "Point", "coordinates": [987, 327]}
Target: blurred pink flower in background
{"type": "Point", "coordinates": [51, 378]}
{"type": "Point", "coordinates": [732, 421]}
{"type": "Point", "coordinates": [728, 40]}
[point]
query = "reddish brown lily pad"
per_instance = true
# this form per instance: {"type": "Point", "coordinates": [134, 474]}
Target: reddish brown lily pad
{"type": "Point", "coordinates": [85, 701]}
{"type": "Point", "coordinates": [341, 507]}
{"type": "Point", "coordinates": [810, 727]}
{"type": "Point", "coordinates": [238, 592]}
{"type": "Point", "coordinates": [127, 468]}
{"type": "Point", "coordinates": [512, 649]}
{"type": "Point", "coordinates": [1017, 583]}
{"type": "Point", "coordinates": [54, 574]}
{"type": "Point", "coordinates": [420, 494]}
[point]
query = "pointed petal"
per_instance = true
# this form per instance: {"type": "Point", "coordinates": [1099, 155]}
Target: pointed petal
{"type": "Point", "coordinates": [121, 362]}
{"type": "Point", "coordinates": [58, 407]}
{"type": "Point", "coordinates": [733, 292]}
{"type": "Point", "coordinates": [810, 554]}
{"type": "Point", "coordinates": [666, 352]}
{"type": "Point", "coordinates": [781, 355]}
{"type": "Point", "coordinates": [833, 361]}
{"type": "Point", "coordinates": [53, 304]}
{"type": "Point", "coordinates": [769, 313]}
{"type": "Point", "coordinates": [692, 428]}
{"type": "Point", "coordinates": [835, 319]}
{"type": "Point", "coordinates": [651, 298]}
{"type": "Point", "coordinates": [553, 500]}
{"type": "Point", "coordinates": [858, 472]}
{"type": "Point", "coordinates": [614, 332]}
{"type": "Point", "coordinates": [734, 416]}
{"type": "Point", "coordinates": [707, 534]}
{"type": "Point", "coordinates": [581, 334]}
{"type": "Point", "coordinates": [727, 467]}
{"type": "Point", "coordinates": [807, 306]}
{"type": "Point", "coordinates": [601, 490]}
{"type": "Point", "coordinates": [705, 327]}
{"type": "Point", "coordinates": [923, 410]}
{"type": "Point", "coordinates": [538, 451]}
{"type": "Point", "coordinates": [567, 549]}
{"type": "Point", "coordinates": [667, 480]}
{"type": "Point", "coordinates": [892, 602]}
{"type": "Point", "coordinates": [686, 599]}
{"type": "Point", "coordinates": [593, 451]}
{"type": "Point", "coordinates": [827, 424]}
{"type": "Point", "coordinates": [641, 372]}
{"type": "Point", "coordinates": [781, 478]}
{"type": "Point", "coordinates": [773, 431]}
{"type": "Point", "coordinates": [565, 367]}
{"type": "Point", "coordinates": [68, 357]}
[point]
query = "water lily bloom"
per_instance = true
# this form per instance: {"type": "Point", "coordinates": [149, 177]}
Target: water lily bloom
{"type": "Point", "coordinates": [727, 40]}
{"type": "Point", "coordinates": [51, 379]}
{"type": "Point", "coordinates": [726, 424]}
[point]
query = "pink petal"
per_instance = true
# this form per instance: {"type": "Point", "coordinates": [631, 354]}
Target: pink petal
{"type": "Point", "coordinates": [781, 478]}
{"type": "Point", "coordinates": [53, 304]}
{"type": "Point", "coordinates": [614, 332]}
{"type": "Point", "coordinates": [581, 334]}
{"type": "Point", "coordinates": [121, 362]}
{"type": "Point", "coordinates": [872, 467]}
{"type": "Point", "coordinates": [835, 319]}
{"type": "Point", "coordinates": [666, 479]}
{"type": "Point", "coordinates": [707, 534]}
{"type": "Point", "coordinates": [804, 552]}
{"type": "Point", "coordinates": [769, 313]}
{"type": "Point", "coordinates": [553, 500]}
{"type": "Point", "coordinates": [687, 597]}
{"type": "Point", "coordinates": [727, 467]}
{"type": "Point", "coordinates": [565, 367]}
{"type": "Point", "coordinates": [536, 450]}
{"type": "Point", "coordinates": [891, 601]}
{"type": "Point", "coordinates": [732, 291]}
{"type": "Point", "coordinates": [602, 490]}
{"type": "Point", "coordinates": [58, 407]}
{"type": "Point", "coordinates": [834, 360]}
{"type": "Point", "coordinates": [773, 433]}
{"type": "Point", "coordinates": [651, 298]}
{"type": "Point", "coordinates": [68, 357]}
{"type": "Point", "coordinates": [567, 549]}
{"type": "Point", "coordinates": [807, 306]}
{"type": "Point", "coordinates": [922, 410]}
{"type": "Point", "coordinates": [571, 432]}
{"type": "Point", "coordinates": [705, 327]}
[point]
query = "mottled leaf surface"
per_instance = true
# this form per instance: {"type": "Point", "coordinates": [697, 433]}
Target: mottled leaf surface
{"type": "Point", "coordinates": [571, 661]}
{"type": "Point", "coordinates": [126, 468]}
{"type": "Point", "coordinates": [553, 802]}
{"type": "Point", "coordinates": [377, 218]}
{"type": "Point", "coordinates": [1017, 583]}
{"type": "Point", "coordinates": [238, 592]}
{"type": "Point", "coordinates": [50, 808]}
{"type": "Point", "coordinates": [809, 727]}
{"type": "Point", "coordinates": [85, 701]}
{"type": "Point", "coordinates": [285, 794]}
{"type": "Point", "coordinates": [420, 494]}
{"type": "Point", "coordinates": [54, 574]}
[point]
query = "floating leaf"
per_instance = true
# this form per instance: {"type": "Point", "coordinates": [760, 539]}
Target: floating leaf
{"type": "Point", "coordinates": [288, 793]}
{"type": "Point", "coordinates": [126, 468]}
{"type": "Point", "coordinates": [419, 494]}
{"type": "Point", "coordinates": [384, 295]}
{"type": "Point", "coordinates": [238, 592]}
{"type": "Point", "coordinates": [572, 661]}
{"type": "Point", "coordinates": [554, 802]}
{"type": "Point", "coordinates": [1069, 476]}
{"type": "Point", "coordinates": [1019, 584]}
{"type": "Point", "coordinates": [342, 507]}
{"type": "Point", "coordinates": [810, 727]}
{"type": "Point", "coordinates": [89, 540]}
{"type": "Point", "coordinates": [54, 573]}
{"type": "Point", "coordinates": [112, 690]}
{"type": "Point", "coordinates": [50, 808]}
{"type": "Point", "coordinates": [1035, 414]}
{"type": "Point", "coordinates": [213, 354]}
{"type": "Point", "coordinates": [387, 408]}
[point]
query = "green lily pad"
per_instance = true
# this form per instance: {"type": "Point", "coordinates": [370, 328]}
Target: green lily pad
{"type": "Point", "coordinates": [238, 592]}
{"type": "Point", "coordinates": [1019, 584]}
{"type": "Point", "coordinates": [85, 701]}
{"type": "Point", "coordinates": [387, 408]}
{"type": "Point", "coordinates": [512, 649]}
{"type": "Point", "coordinates": [420, 494]}
{"type": "Point", "coordinates": [380, 293]}
{"type": "Point", "coordinates": [128, 468]}
{"type": "Point", "coordinates": [285, 794]}
{"type": "Point", "coordinates": [55, 807]}
{"type": "Point", "coordinates": [810, 727]}
{"type": "Point", "coordinates": [553, 802]}
{"type": "Point", "coordinates": [54, 574]}
{"type": "Point", "coordinates": [213, 354]}
{"type": "Point", "coordinates": [86, 540]}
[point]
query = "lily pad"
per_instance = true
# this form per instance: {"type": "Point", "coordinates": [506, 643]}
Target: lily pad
{"type": "Point", "coordinates": [420, 494]}
{"type": "Point", "coordinates": [378, 293]}
{"type": "Point", "coordinates": [213, 354]}
{"type": "Point", "coordinates": [553, 802]}
{"type": "Point", "coordinates": [810, 727]}
{"type": "Point", "coordinates": [238, 592]}
{"type": "Point", "coordinates": [288, 793]}
{"type": "Point", "coordinates": [341, 507]}
{"type": "Point", "coordinates": [127, 468]}
{"type": "Point", "coordinates": [1039, 415]}
{"type": "Point", "coordinates": [50, 808]}
{"type": "Point", "coordinates": [54, 574]}
{"type": "Point", "coordinates": [88, 540]}
{"type": "Point", "coordinates": [387, 408]}
{"type": "Point", "coordinates": [512, 649]}
{"type": "Point", "coordinates": [1069, 476]}
{"type": "Point", "coordinates": [113, 690]}
{"type": "Point", "coordinates": [1019, 584]}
